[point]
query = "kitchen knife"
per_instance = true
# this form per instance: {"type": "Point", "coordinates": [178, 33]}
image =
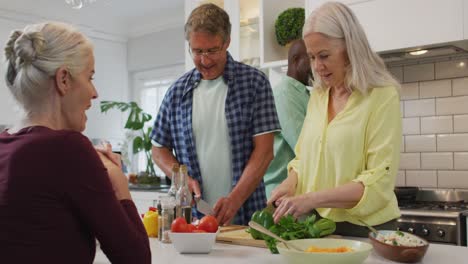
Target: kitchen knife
{"type": "Point", "coordinates": [203, 207]}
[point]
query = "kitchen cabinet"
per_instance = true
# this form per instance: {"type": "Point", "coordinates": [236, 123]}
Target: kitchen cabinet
{"type": "Point", "coordinates": [465, 19]}
{"type": "Point", "coordinates": [271, 53]}
{"type": "Point", "coordinates": [399, 24]}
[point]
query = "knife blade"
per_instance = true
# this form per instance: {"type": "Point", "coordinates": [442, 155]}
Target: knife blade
{"type": "Point", "coordinates": [203, 207]}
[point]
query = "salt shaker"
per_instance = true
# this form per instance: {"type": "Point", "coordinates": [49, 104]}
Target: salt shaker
{"type": "Point", "coordinates": [167, 216]}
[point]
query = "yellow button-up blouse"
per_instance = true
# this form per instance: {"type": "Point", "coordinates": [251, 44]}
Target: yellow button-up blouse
{"type": "Point", "coordinates": [361, 144]}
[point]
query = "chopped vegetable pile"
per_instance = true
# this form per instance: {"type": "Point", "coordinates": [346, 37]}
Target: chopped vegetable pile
{"type": "Point", "coordinates": [288, 228]}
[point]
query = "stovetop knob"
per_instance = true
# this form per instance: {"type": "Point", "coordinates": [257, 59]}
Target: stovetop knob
{"type": "Point", "coordinates": [440, 233]}
{"type": "Point", "coordinates": [411, 230]}
{"type": "Point", "coordinates": [425, 232]}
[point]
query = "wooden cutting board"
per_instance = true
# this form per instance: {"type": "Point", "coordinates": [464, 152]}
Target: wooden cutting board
{"type": "Point", "coordinates": [237, 235]}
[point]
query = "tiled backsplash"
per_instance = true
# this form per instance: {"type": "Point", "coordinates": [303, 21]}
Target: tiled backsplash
{"type": "Point", "coordinates": [434, 106]}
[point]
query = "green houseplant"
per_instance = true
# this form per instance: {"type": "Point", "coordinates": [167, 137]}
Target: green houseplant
{"type": "Point", "coordinates": [141, 139]}
{"type": "Point", "coordinates": [288, 25]}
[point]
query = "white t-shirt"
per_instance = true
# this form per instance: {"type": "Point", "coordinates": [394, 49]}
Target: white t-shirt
{"type": "Point", "coordinates": [212, 139]}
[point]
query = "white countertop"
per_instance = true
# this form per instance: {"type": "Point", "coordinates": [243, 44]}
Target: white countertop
{"type": "Point", "coordinates": [233, 254]}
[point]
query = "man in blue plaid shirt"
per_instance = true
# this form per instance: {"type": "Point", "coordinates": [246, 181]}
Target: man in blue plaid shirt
{"type": "Point", "coordinates": [219, 119]}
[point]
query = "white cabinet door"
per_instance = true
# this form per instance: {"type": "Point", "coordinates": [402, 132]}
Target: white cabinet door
{"type": "Point", "coordinates": [271, 53]}
{"type": "Point", "coordinates": [465, 21]}
{"type": "Point", "coordinates": [397, 24]}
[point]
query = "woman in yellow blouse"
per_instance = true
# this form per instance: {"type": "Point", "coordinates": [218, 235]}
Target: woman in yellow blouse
{"type": "Point", "coordinates": [347, 155]}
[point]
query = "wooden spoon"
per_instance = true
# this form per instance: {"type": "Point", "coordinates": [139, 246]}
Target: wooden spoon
{"type": "Point", "coordinates": [370, 227]}
{"type": "Point", "coordinates": [267, 232]}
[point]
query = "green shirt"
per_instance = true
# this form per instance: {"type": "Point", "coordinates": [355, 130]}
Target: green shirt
{"type": "Point", "coordinates": [291, 97]}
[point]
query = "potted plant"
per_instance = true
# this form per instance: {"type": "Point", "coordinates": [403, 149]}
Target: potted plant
{"type": "Point", "coordinates": [288, 25]}
{"type": "Point", "coordinates": [139, 141]}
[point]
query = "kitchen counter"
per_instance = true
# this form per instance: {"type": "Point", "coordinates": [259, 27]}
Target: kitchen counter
{"type": "Point", "coordinates": [149, 188]}
{"type": "Point", "coordinates": [233, 254]}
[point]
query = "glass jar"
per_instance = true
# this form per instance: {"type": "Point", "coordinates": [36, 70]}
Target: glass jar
{"type": "Point", "coordinates": [167, 216]}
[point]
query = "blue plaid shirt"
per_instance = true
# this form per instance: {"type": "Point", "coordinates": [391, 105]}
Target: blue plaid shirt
{"type": "Point", "coordinates": [250, 110]}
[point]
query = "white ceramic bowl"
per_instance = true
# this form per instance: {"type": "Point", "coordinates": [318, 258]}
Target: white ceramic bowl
{"type": "Point", "coordinates": [193, 242]}
{"type": "Point", "coordinates": [360, 251]}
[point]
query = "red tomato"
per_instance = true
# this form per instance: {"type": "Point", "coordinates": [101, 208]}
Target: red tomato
{"type": "Point", "coordinates": [191, 228]}
{"type": "Point", "coordinates": [209, 224]}
{"type": "Point", "coordinates": [198, 231]}
{"type": "Point", "coordinates": [179, 225]}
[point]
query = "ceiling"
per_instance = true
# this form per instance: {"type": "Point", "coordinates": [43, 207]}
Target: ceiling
{"type": "Point", "coordinates": [126, 18]}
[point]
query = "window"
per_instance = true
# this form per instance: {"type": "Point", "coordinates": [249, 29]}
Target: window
{"type": "Point", "coordinates": [151, 87]}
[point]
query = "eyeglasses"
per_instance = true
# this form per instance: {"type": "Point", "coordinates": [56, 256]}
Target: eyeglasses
{"type": "Point", "coordinates": [211, 53]}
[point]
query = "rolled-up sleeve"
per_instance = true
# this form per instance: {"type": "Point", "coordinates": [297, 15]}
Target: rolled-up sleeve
{"type": "Point", "coordinates": [382, 157]}
{"type": "Point", "coordinates": [265, 116]}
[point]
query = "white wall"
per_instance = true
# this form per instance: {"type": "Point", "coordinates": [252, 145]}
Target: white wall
{"type": "Point", "coordinates": [111, 81]}
{"type": "Point", "coordinates": [9, 111]}
{"type": "Point", "coordinates": [434, 104]}
{"type": "Point", "coordinates": [158, 49]}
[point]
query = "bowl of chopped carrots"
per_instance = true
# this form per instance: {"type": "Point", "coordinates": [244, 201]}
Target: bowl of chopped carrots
{"type": "Point", "coordinates": [325, 250]}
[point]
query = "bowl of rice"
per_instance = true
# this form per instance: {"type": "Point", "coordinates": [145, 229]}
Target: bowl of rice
{"type": "Point", "coordinates": [399, 246]}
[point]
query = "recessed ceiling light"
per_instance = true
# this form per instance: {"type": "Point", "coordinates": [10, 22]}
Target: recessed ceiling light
{"type": "Point", "coordinates": [418, 52]}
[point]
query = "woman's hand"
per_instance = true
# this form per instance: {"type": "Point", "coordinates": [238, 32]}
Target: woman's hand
{"type": "Point", "coordinates": [281, 192]}
{"type": "Point", "coordinates": [295, 206]}
{"type": "Point", "coordinates": [116, 176]}
{"type": "Point", "coordinates": [286, 189]}
{"type": "Point", "coordinates": [106, 148]}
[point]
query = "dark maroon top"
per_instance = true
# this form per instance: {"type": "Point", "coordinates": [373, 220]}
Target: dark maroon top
{"type": "Point", "coordinates": [56, 199]}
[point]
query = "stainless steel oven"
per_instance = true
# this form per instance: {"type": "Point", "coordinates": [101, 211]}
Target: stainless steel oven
{"type": "Point", "coordinates": [436, 215]}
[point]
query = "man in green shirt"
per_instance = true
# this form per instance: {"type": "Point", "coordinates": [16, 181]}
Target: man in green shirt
{"type": "Point", "coordinates": [291, 98]}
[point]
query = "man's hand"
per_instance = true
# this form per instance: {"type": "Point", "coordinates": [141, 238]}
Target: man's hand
{"type": "Point", "coordinates": [225, 209]}
{"type": "Point", "coordinates": [194, 186]}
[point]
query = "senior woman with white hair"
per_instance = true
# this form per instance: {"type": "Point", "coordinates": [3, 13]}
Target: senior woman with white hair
{"type": "Point", "coordinates": [347, 155]}
{"type": "Point", "coordinates": [57, 193]}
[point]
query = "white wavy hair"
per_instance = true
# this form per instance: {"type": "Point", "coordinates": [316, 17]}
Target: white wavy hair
{"type": "Point", "coordinates": [33, 56]}
{"type": "Point", "coordinates": [366, 69]}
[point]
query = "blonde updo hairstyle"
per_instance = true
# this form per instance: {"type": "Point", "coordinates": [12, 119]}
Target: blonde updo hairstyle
{"type": "Point", "coordinates": [35, 54]}
{"type": "Point", "coordinates": [366, 70]}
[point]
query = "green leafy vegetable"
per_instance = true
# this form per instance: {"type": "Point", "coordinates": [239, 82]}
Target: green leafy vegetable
{"type": "Point", "coordinates": [265, 219]}
{"type": "Point", "coordinates": [288, 228]}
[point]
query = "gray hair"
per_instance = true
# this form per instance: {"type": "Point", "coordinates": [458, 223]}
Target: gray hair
{"type": "Point", "coordinates": [34, 55]}
{"type": "Point", "coordinates": [208, 18]}
{"type": "Point", "coordinates": [366, 69]}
